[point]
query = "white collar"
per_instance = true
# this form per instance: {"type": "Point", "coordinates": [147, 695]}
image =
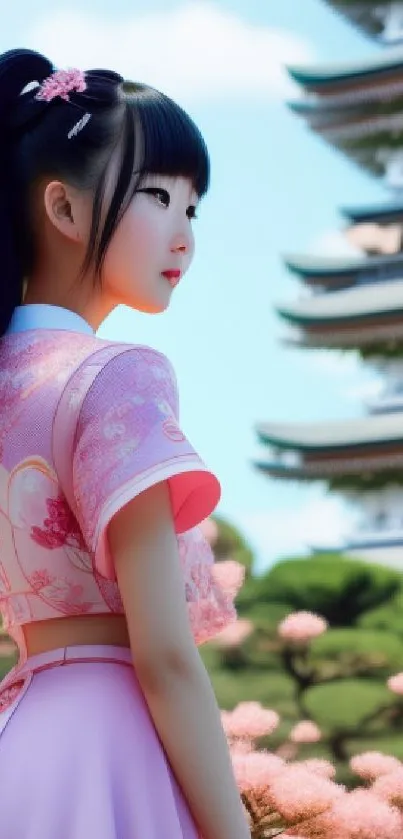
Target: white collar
{"type": "Point", "coordinates": [45, 316]}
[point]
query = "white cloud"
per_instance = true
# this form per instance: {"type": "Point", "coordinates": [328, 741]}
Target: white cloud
{"type": "Point", "coordinates": [287, 531]}
{"type": "Point", "coordinates": [333, 243]}
{"type": "Point", "coordinates": [195, 51]}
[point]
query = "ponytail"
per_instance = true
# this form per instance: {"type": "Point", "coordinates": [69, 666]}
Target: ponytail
{"type": "Point", "coordinates": [18, 68]}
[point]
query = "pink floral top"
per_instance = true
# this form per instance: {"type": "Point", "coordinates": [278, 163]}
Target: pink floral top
{"type": "Point", "coordinates": [85, 426]}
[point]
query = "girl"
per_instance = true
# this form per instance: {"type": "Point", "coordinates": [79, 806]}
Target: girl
{"type": "Point", "coordinates": [108, 724]}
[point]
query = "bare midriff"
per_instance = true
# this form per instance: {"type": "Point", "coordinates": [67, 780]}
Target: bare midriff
{"type": "Point", "coordinates": [41, 636]}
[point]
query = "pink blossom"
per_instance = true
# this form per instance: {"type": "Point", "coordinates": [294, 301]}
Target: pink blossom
{"type": "Point", "coordinates": [302, 627]}
{"type": "Point", "coordinates": [305, 731]}
{"type": "Point", "coordinates": [209, 528]}
{"type": "Point", "coordinates": [395, 683]}
{"type": "Point", "coordinates": [234, 633]}
{"type": "Point", "coordinates": [370, 765]}
{"type": "Point", "coordinates": [249, 720]}
{"type": "Point", "coordinates": [319, 766]}
{"type": "Point", "coordinates": [390, 787]}
{"type": "Point", "coordinates": [241, 747]}
{"type": "Point", "coordinates": [230, 575]}
{"type": "Point", "coordinates": [362, 815]}
{"type": "Point", "coordinates": [255, 770]}
{"type": "Point", "coordinates": [61, 83]}
{"type": "Point", "coordinates": [298, 794]}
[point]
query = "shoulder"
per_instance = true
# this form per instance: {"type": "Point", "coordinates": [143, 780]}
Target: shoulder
{"type": "Point", "coordinates": [118, 362]}
{"type": "Point", "coordinates": [116, 374]}
{"type": "Point", "coordinates": [136, 363]}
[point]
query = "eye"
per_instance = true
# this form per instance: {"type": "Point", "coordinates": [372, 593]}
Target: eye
{"type": "Point", "coordinates": [162, 195]}
{"type": "Point", "coordinates": [191, 212]}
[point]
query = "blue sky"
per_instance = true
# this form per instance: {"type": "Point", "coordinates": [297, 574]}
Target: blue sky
{"type": "Point", "coordinates": [275, 188]}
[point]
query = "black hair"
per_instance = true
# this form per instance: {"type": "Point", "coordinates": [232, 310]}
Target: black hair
{"type": "Point", "coordinates": [150, 133]}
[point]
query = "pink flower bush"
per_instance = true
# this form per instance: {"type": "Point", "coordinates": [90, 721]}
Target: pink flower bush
{"type": "Point", "coordinates": [234, 633]}
{"type": "Point", "coordinates": [362, 815]}
{"type": "Point", "coordinates": [230, 575]}
{"type": "Point", "coordinates": [209, 529]}
{"type": "Point", "coordinates": [302, 627]}
{"type": "Point", "coordinates": [302, 798]}
{"type": "Point", "coordinates": [305, 732]}
{"type": "Point", "coordinates": [279, 797]}
{"type": "Point", "coordinates": [319, 766]}
{"type": "Point", "coordinates": [299, 795]}
{"type": "Point", "coordinates": [248, 721]}
{"type": "Point", "coordinates": [390, 787]}
{"type": "Point", "coordinates": [395, 684]}
{"type": "Point", "coordinates": [370, 765]}
{"type": "Point", "coordinates": [255, 771]}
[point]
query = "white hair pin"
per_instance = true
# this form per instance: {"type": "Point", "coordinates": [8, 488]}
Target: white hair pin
{"type": "Point", "coordinates": [79, 126]}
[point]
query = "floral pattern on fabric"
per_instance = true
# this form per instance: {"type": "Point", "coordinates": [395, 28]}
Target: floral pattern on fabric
{"type": "Point", "coordinates": [125, 436]}
{"type": "Point", "coordinates": [125, 444]}
{"type": "Point", "coordinates": [112, 439]}
{"type": "Point", "coordinates": [59, 528]}
{"type": "Point", "coordinates": [28, 362]}
{"type": "Point", "coordinates": [210, 602]}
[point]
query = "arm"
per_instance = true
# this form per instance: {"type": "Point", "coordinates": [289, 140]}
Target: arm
{"type": "Point", "coordinates": [168, 666]}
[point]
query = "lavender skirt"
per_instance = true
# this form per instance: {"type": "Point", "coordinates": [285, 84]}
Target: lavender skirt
{"type": "Point", "coordinates": [80, 757]}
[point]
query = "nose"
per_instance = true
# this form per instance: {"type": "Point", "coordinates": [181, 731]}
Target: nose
{"type": "Point", "coordinates": [181, 245]}
{"type": "Point", "coordinates": [182, 241]}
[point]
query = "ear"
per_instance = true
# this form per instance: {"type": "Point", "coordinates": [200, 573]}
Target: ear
{"type": "Point", "coordinates": [61, 204]}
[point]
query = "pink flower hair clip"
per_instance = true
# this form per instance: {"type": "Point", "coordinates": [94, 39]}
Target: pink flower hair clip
{"type": "Point", "coordinates": [61, 83]}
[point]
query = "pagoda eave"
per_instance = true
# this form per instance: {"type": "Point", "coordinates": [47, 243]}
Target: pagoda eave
{"type": "Point", "coordinates": [366, 128]}
{"type": "Point", "coordinates": [323, 268]}
{"type": "Point", "coordinates": [384, 340]}
{"type": "Point", "coordinates": [377, 303]}
{"type": "Point", "coordinates": [361, 15]}
{"type": "Point", "coordinates": [381, 213]}
{"type": "Point", "coordinates": [311, 322]}
{"type": "Point", "coordinates": [353, 119]}
{"type": "Point", "coordinates": [338, 77]}
{"type": "Point", "coordinates": [348, 473]}
{"type": "Point", "coordinates": [362, 433]}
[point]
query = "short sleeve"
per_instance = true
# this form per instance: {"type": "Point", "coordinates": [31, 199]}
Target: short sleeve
{"type": "Point", "coordinates": [127, 439]}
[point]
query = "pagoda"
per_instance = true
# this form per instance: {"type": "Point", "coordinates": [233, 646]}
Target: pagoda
{"type": "Point", "coordinates": [355, 303]}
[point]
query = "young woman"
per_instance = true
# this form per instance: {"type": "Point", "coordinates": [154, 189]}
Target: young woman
{"type": "Point", "coordinates": [108, 723]}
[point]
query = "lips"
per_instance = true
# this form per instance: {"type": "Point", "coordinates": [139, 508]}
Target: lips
{"type": "Point", "coordinates": [173, 277]}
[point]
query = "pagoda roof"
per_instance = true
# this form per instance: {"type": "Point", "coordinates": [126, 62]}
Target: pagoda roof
{"type": "Point", "coordinates": [325, 77]}
{"type": "Point", "coordinates": [363, 14]}
{"type": "Point", "coordinates": [369, 432]}
{"type": "Point", "coordinates": [382, 213]}
{"type": "Point", "coordinates": [356, 304]}
{"type": "Point", "coordinates": [312, 268]}
{"type": "Point", "coordinates": [370, 133]}
{"type": "Point", "coordinates": [377, 337]}
{"type": "Point", "coordinates": [349, 117]}
{"type": "Point", "coordinates": [360, 473]}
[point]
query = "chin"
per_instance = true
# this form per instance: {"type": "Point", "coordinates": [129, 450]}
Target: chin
{"type": "Point", "coordinates": [152, 307]}
{"type": "Point", "coordinates": [153, 303]}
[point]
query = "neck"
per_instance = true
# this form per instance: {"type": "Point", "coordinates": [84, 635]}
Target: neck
{"type": "Point", "coordinates": [94, 309]}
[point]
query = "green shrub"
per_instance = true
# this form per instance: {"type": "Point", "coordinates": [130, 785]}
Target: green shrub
{"type": "Point", "coordinates": [345, 705]}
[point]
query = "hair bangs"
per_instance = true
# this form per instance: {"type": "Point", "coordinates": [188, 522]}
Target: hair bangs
{"type": "Point", "coordinates": [171, 142]}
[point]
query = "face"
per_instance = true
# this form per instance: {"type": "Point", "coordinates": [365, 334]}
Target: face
{"type": "Point", "coordinates": [154, 238]}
